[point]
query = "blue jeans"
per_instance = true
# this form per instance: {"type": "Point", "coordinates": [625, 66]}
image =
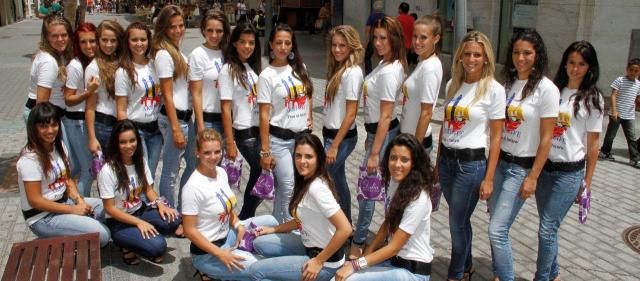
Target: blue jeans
{"type": "Point", "coordinates": [190, 152]}
{"type": "Point", "coordinates": [337, 171]}
{"type": "Point", "coordinates": [460, 182]}
{"type": "Point", "coordinates": [555, 194]}
{"type": "Point", "coordinates": [386, 271]}
{"type": "Point", "coordinates": [504, 205]}
{"type": "Point", "coordinates": [54, 225]}
{"type": "Point", "coordinates": [285, 257]}
{"type": "Point", "coordinates": [152, 145]}
{"type": "Point", "coordinates": [79, 153]}
{"type": "Point", "coordinates": [129, 237]}
{"type": "Point", "coordinates": [103, 133]}
{"type": "Point", "coordinates": [282, 153]}
{"type": "Point", "coordinates": [212, 267]}
{"type": "Point", "coordinates": [171, 157]}
{"type": "Point", "coordinates": [366, 207]}
{"type": "Point", "coordinates": [250, 150]}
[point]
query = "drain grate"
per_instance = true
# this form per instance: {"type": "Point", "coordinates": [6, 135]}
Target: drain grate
{"type": "Point", "coordinates": [631, 237]}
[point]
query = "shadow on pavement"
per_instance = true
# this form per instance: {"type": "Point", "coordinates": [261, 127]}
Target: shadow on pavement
{"type": "Point", "coordinates": [8, 174]}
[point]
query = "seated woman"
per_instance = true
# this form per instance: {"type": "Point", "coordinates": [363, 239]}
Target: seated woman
{"type": "Point", "coordinates": [408, 253]}
{"type": "Point", "coordinates": [207, 209]}
{"type": "Point", "coordinates": [138, 227]}
{"type": "Point", "coordinates": [317, 252]}
{"type": "Point", "coordinates": [51, 204]}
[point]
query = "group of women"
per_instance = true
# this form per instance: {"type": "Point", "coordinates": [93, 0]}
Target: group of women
{"type": "Point", "coordinates": [132, 95]}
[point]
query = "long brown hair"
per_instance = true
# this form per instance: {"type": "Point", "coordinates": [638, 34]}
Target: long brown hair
{"type": "Point", "coordinates": [336, 69]}
{"type": "Point", "coordinates": [126, 62]}
{"type": "Point", "coordinates": [162, 42]}
{"type": "Point", "coordinates": [396, 38]}
{"type": "Point", "coordinates": [108, 64]}
{"type": "Point", "coordinates": [226, 29]}
{"type": "Point", "coordinates": [299, 70]}
{"type": "Point", "coordinates": [44, 113]}
{"type": "Point", "coordinates": [233, 59]}
{"type": "Point", "coordinates": [113, 156]}
{"type": "Point", "coordinates": [44, 46]}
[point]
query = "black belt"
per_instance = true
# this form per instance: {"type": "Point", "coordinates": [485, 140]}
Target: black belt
{"type": "Point", "coordinates": [75, 115]}
{"type": "Point", "coordinates": [248, 133]}
{"type": "Point", "coordinates": [428, 142]}
{"type": "Point", "coordinates": [211, 117]}
{"type": "Point", "coordinates": [197, 251]}
{"type": "Point", "coordinates": [550, 166]}
{"type": "Point", "coordinates": [149, 127]}
{"type": "Point", "coordinates": [464, 154]}
{"type": "Point", "coordinates": [312, 252]}
{"type": "Point", "coordinates": [105, 119]}
{"type": "Point", "coordinates": [371, 128]}
{"type": "Point", "coordinates": [285, 134]}
{"type": "Point", "coordinates": [30, 213]}
{"type": "Point", "coordinates": [524, 162]}
{"type": "Point", "coordinates": [184, 115]}
{"type": "Point", "coordinates": [32, 103]}
{"type": "Point", "coordinates": [416, 267]}
{"type": "Point", "coordinates": [332, 133]}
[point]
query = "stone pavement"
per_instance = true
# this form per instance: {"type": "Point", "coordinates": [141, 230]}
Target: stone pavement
{"type": "Point", "coordinates": [593, 251]}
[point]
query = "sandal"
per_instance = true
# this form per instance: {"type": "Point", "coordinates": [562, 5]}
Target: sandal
{"type": "Point", "coordinates": [156, 259]}
{"type": "Point", "coordinates": [468, 274]}
{"type": "Point", "coordinates": [129, 257]}
{"type": "Point", "coordinates": [203, 277]}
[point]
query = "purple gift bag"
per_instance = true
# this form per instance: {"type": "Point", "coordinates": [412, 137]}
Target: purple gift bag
{"type": "Point", "coordinates": [370, 186]}
{"type": "Point", "coordinates": [585, 203]}
{"type": "Point", "coordinates": [435, 197]}
{"type": "Point", "coordinates": [247, 241]}
{"type": "Point", "coordinates": [264, 187]}
{"type": "Point", "coordinates": [96, 164]}
{"type": "Point", "coordinates": [234, 171]}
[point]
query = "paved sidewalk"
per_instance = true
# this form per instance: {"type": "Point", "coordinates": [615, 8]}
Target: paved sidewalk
{"type": "Point", "coordinates": [593, 251]}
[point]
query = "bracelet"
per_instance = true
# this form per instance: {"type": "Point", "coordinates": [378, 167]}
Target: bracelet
{"type": "Point", "coordinates": [355, 266]}
{"type": "Point", "coordinates": [265, 154]}
{"type": "Point", "coordinates": [237, 224]}
{"type": "Point", "coordinates": [160, 200]}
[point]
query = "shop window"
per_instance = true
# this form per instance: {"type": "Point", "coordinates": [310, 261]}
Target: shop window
{"type": "Point", "coordinates": [515, 16]}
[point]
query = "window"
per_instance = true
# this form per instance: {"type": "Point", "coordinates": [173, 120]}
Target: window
{"type": "Point", "coordinates": [515, 16]}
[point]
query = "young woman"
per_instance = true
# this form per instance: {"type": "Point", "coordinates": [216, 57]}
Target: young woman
{"type": "Point", "coordinates": [138, 96]}
{"type": "Point", "coordinates": [284, 98]}
{"type": "Point", "coordinates": [379, 92]}
{"type": "Point", "coordinates": [532, 109]}
{"type": "Point", "coordinates": [317, 252]}
{"type": "Point", "coordinates": [406, 229]}
{"type": "Point", "coordinates": [474, 112]}
{"type": "Point", "coordinates": [75, 94]}
{"type": "Point", "coordinates": [344, 77]}
{"type": "Point", "coordinates": [207, 208]}
{"type": "Point", "coordinates": [100, 111]}
{"type": "Point", "coordinates": [574, 150]}
{"type": "Point", "coordinates": [240, 117]}
{"type": "Point", "coordinates": [136, 226]}
{"type": "Point", "coordinates": [51, 204]}
{"type": "Point", "coordinates": [422, 87]}
{"type": "Point", "coordinates": [48, 74]}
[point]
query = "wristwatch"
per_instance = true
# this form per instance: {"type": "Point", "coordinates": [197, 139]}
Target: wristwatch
{"type": "Point", "coordinates": [362, 263]}
{"type": "Point", "coordinates": [265, 154]}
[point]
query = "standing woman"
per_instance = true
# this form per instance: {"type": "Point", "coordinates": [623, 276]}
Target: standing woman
{"type": "Point", "coordinates": [532, 109]}
{"type": "Point", "coordinates": [240, 115]}
{"type": "Point", "coordinates": [380, 90]}
{"type": "Point", "coordinates": [574, 147]}
{"type": "Point", "coordinates": [138, 96]}
{"type": "Point", "coordinates": [420, 91]}
{"type": "Point", "coordinates": [406, 229]}
{"type": "Point", "coordinates": [317, 252]}
{"type": "Point", "coordinates": [474, 112]}
{"type": "Point", "coordinates": [344, 77]}
{"type": "Point", "coordinates": [284, 98]}
{"type": "Point", "coordinates": [75, 94]}
{"type": "Point", "coordinates": [51, 204]}
{"type": "Point", "coordinates": [100, 111]}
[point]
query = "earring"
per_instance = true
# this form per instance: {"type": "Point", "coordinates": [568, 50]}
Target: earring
{"type": "Point", "coordinates": [460, 61]}
{"type": "Point", "coordinates": [272, 55]}
{"type": "Point", "coordinates": [291, 56]}
{"type": "Point", "coordinates": [486, 62]}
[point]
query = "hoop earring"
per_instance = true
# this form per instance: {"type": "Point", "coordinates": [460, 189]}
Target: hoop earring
{"type": "Point", "coordinates": [291, 56]}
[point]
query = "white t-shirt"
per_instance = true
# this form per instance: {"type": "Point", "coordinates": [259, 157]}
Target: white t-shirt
{"type": "Point", "coordinates": [521, 133]}
{"type": "Point", "coordinates": [205, 65]}
{"type": "Point", "coordinates": [52, 186]}
{"type": "Point", "coordinates": [349, 90]}
{"type": "Point", "coordinates": [314, 211]}
{"type": "Point", "coordinates": [422, 87]}
{"type": "Point", "coordinates": [128, 202]}
{"type": "Point", "coordinates": [44, 73]}
{"type": "Point", "coordinates": [105, 104]}
{"type": "Point", "coordinates": [466, 124]}
{"type": "Point", "coordinates": [165, 68]}
{"type": "Point", "coordinates": [287, 96]}
{"type": "Point", "coordinates": [143, 101]}
{"type": "Point", "coordinates": [245, 109]}
{"type": "Point", "coordinates": [212, 201]}
{"type": "Point", "coordinates": [569, 135]}
{"type": "Point", "coordinates": [382, 84]}
{"type": "Point", "coordinates": [75, 80]}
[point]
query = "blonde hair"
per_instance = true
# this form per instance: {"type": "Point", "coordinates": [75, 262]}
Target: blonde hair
{"type": "Point", "coordinates": [207, 135]}
{"type": "Point", "coordinates": [108, 64]}
{"type": "Point", "coordinates": [61, 58]}
{"type": "Point", "coordinates": [336, 69]}
{"type": "Point", "coordinates": [162, 42]}
{"type": "Point", "coordinates": [488, 68]}
{"type": "Point", "coordinates": [434, 22]}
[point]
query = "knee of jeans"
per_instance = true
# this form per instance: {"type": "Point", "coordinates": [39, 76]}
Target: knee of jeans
{"type": "Point", "coordinates": [105, 236]}
{"type": "Point", "coordinates": [498, 232]}
{"type": "Point", "coordinates": [547, 232]}
{"type": "Point", "coordinates": [155, 246]}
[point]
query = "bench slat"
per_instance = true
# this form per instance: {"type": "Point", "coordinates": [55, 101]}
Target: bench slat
{"type": "Point", "coordinates": [82, 260]}
{"type": "Point", "coordinates": [11, 269]}
{"type": "Point", "coordinates": [68, 260]}
{"type": "Point", "coordinates": [55, 261]}
{"type": "Point", "coordinates": [95, 261]}
{"type": "Point", "coordinates": [26, 262]}
{"type": "Point", "coordinates": [40, 268]}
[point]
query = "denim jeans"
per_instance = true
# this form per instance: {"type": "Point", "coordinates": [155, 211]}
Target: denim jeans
{"type": "Point", "coordinates": [629, 133]}
{"type": "Point", "coordinates": [54, 225]}
{"type": "Point", "coordinates": [250, 150]}
{"type": "Point", "coordinates": [152, 145]}
{"type": "Point", "coordinates": [79, 153]}
{"type": "Point", "coordinates": [212, 267]}
{"type": "Point", "coordinates": [337, 171]}
{"type": "Point", "coordinates": [284, 258]}
{"type": "Point", "coordinates": [190, 152]}
{"type": "Point", "coordinates": [103, 133]}
{"type": "Point", "coordinates": [555, 194]}
{"type": "Point", "coordinates": [386, 271]}
{"type": "Point", "coordinates": [129, 237]}
{"type": "Point", "coordinates": [171, 157]}
{"type": "Point", "coordinates": [504, 205]}
{"type": "Point", "coordinates": [366, 207]}
{"type": "Point", "coordinates": [460, 182]}
{"type": "Point", "coordinates": [282, 153]}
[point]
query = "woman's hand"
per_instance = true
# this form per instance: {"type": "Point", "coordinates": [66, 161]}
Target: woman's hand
{"type": "Point", "coordinates": [81, 208]}
{"type": "Point", "coordinates": [167, 213]}
{"type": "Point", "coordinates": [94, 146]}
{"type": "Point", "coordinates": [528, 188]}
{"type": "Point", "coordinates": [267, 163]}
{"type": "Point", "coordinates": [178, 139]}
{"type": "Point", "coordinates": [344, 272]}
{"type": "Point", "coordinates": [94, 83]}
{"type": "Point", "coordinates": [241, 232]}
{"type": "Point", "coordinates": [230, 260]}
{"type": "Point", "coordinates": [264, 230]}
{"type": "Point", "coordinates": [486, 189]}
{"type": "Point", "coordinates": [332, 153]}
{"type": "Point", "coordinates": [372, 164]}
{"type": "Point", "coordinates": [310, 269]}
{"type": "Point", "coordinates": [232, 151]}
{"type": "Point", "coordinates": [147, 230]}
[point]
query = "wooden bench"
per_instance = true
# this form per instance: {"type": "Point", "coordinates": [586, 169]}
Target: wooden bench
{"type": "Point", "coordinates": [60, 258]}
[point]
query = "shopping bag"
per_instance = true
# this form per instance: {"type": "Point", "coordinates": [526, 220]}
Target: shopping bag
{"type": "Point", "coordinates": [234, 171]}
{"type": "Point", "coordinates": [370, 186]}
{"type": "Point", "coordinates": [96, 164]}
{"type": "Point", "coordinates": [584, 203]}
{"type": "Point", "coordinates": [264, 187]}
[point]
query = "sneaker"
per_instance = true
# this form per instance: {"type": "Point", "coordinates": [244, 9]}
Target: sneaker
{"type": "Point", "coordinates": [605, 156]}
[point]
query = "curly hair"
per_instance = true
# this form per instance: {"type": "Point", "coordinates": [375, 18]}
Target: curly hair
{"type": "Point", "coordinates": [336, 69]}
{"type": "Point", "coordinates": [299, 70]}
{"type": "Point", "coordinates": [539, 66]}
{"type": "Point", "coordinates": [113, 156]}
{"type": "Point", "coordinates": [233, 58]}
